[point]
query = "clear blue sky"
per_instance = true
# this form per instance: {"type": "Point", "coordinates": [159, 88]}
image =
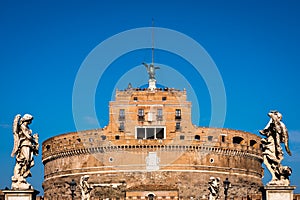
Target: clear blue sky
{"type": "Point", "coordinates": [254, 44]}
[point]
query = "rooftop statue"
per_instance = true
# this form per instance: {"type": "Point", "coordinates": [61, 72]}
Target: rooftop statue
{"type": "Point", "coordinates": [25, 146]}
{"type": "Point", "coordinates": [85, 188]}
{"type": "Point", "coordinates": [151, 70]}
{"type": "Point", "coordinates": [276, 133]}
{"type": "Point", "coordinates": [214, 188]}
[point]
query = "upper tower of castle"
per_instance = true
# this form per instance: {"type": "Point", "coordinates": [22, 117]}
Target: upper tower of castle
{"type": "Point", "coordinates": [150, 113]}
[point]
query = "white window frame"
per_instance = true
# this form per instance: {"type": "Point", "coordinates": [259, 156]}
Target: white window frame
{"type": "Point", "coordinates": [155, 129]}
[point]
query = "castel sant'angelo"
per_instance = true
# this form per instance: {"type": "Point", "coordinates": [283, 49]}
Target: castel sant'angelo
{"type": "Point", "coordinates": [151, 150]}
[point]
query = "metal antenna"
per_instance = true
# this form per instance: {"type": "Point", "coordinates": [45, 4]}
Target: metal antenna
{"type": "Point", "coordinates": [152, 41]}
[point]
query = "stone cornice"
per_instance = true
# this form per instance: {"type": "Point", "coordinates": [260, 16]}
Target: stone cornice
{"type": "Point", "coordinates": [201, 149]}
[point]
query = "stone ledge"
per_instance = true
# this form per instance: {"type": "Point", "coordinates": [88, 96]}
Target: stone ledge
{"type": "Point", "coordinates": [279, 187]}
{"type": "Point", "coordinates": [20, 194]}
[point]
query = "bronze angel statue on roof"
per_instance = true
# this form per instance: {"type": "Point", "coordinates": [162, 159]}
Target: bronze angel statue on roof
{"type": "Point", "coordinates": [276, 133]}
{"type": "Point", "coordinates": [151, 70]}
{"type": "Point", "coordinates": [25, 146]}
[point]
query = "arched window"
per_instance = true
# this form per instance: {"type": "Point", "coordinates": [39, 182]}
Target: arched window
{"type": "Point", "coordinates": [253, 143]}
{"type": "Point", "coordinates": [151, 196]}
{"type": "Point", "coordinates": [197, 137]}
{"type": "Point", "coordinates": [237, 140]}
{"type": "Point", "coordinates": [103, 137]}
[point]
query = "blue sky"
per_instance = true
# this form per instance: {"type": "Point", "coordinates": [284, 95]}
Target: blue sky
{"type": "Point", "coordinates": [254, 44]}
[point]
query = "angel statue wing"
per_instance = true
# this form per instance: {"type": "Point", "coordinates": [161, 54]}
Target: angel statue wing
{"type": "Point", "coordinates": [16, 134]}
{"type": "Point", "coordinates": [285, 138]}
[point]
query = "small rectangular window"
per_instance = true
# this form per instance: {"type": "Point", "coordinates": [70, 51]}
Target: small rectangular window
{"type": "Point", "coordinates": [117, 137]}
{"type": "Point", "coordinates": [135, 98]}
{"type": "Point", "coordinates": [182, 137]}
{"type": "Point", "coordinates": [210, 138]}
{"type": "Point", "coordinates": [141, 112]}
{"type": "Point", "coordinates": [121, 114]}
{"type": "Point", "coordinates": [178, 126]}
{"type": "Point", "coordinates": [141, 115]}
{"type": "Point", "coordinates": [223, 138]}
{"type": "Point", "coordinates": [164, 98]}
{"type": "Point", "coordinates": [159, 114]}
{"type": "Point", "coordinates": [178, 114]}
{"type": "Point", "coordinates": [121, 127]}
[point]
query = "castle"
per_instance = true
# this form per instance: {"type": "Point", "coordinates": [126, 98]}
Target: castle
{"type": "Point", "coordinates": [151, 150]}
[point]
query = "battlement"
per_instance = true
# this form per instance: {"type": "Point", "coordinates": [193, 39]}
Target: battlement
{"type": "Point", "coordinates": [144, 94]}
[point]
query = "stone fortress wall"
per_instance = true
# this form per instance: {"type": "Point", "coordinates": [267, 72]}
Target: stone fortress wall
{"type": "Point", "coordinates": [150, 146]}
{"type": "Point", "coordinates": [122, 162]}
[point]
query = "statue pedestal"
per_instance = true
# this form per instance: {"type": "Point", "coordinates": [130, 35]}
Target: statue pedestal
{"type": "Point", "coordinates": [152, 84]}
{"type": "Point", "coordinates": [279, 192]}
{"type": "Point", "coordinates": [20, 194]}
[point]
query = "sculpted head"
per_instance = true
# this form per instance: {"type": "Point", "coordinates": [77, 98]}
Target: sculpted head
{"type": "Point", "coordinates": [275, 115]}
{"type": "Point", "coordinates": [26, 118]}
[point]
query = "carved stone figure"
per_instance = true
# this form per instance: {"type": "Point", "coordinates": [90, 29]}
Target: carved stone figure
{"type": "Point", "coordinates": [25, 146]}
{"type": "Point", "coordinates": [151, 70]}
{"type": "Point", "coordinates": [214, 188]}
{"type": "Point", "coordinates": [85, 188]}
{"type": "Point", "coordinates": [276, 133]}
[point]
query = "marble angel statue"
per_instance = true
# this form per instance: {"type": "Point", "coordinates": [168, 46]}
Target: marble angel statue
{"type": "Point", "coordinates": [25, 147]}
{"type": "Point", "coordinates": [276, 133]}
{"type": "Point", "coordinates": [85, 188]}
{"type": "Point", "coordinates": [214, 188]}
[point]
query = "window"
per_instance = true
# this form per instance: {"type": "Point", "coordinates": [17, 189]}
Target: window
{"type": "Point", "coordinates": [164, 98]}
{"type": "Point", "coordinates": [178, 126]}
{"type": "Point", "coordinates": [197, 137]}
{"type": "Point", "coordinates": [117, 137]}
{"type": "Point", "coordinates": [103, 137]}
{"type": "Point", "coordinates": [178, 114]}
{"type": "Point", "coordinates": [237, 140]}
{"type": "Point", "coordinates": [121, 114]}
{"type": "Point", "coordinates": [140, 133]}
{"type": "Point", "coordinates": [160, 133]}
{"type": "Point", "coordinates": [121, 127]}
{"type": "Point", "coordinates": [210, 138]}
{"type": "Point", "coordinates": [141, 115]}
{"type": "Point", "coordinates": [223, 138]}
{"type": "Point", "coordinates": [150, 133]}
{"type": "Point", "coordinates": [151, 196]}
{"type": "Point", "coordinates": [159, 116]}
{"type": "Point", "coordinates": [253, 143]}
{"type": "Point", "coordinates": [181, 137]}
{"type": "Point", "coordinates": [135, 98]}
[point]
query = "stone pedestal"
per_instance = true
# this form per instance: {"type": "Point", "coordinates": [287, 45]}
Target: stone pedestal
{"type": "Point", "coordinates": [279, 192]}
{"type": "Point", "coordinates": [20, 194]}
{"type": "Point", "coordinates": [152, 84]}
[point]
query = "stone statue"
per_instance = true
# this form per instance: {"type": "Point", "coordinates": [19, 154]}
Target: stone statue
{"type": "Point", "coordinates": [151, 70]}
{"type": "Point", "coordinates": [214, 188]}
{"type": "Point", "coordinates": [276, 133]}
{"type": "Point", "coordinates": [25, 146]}
{"type": "Point", "coordinates": [85, 188]}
